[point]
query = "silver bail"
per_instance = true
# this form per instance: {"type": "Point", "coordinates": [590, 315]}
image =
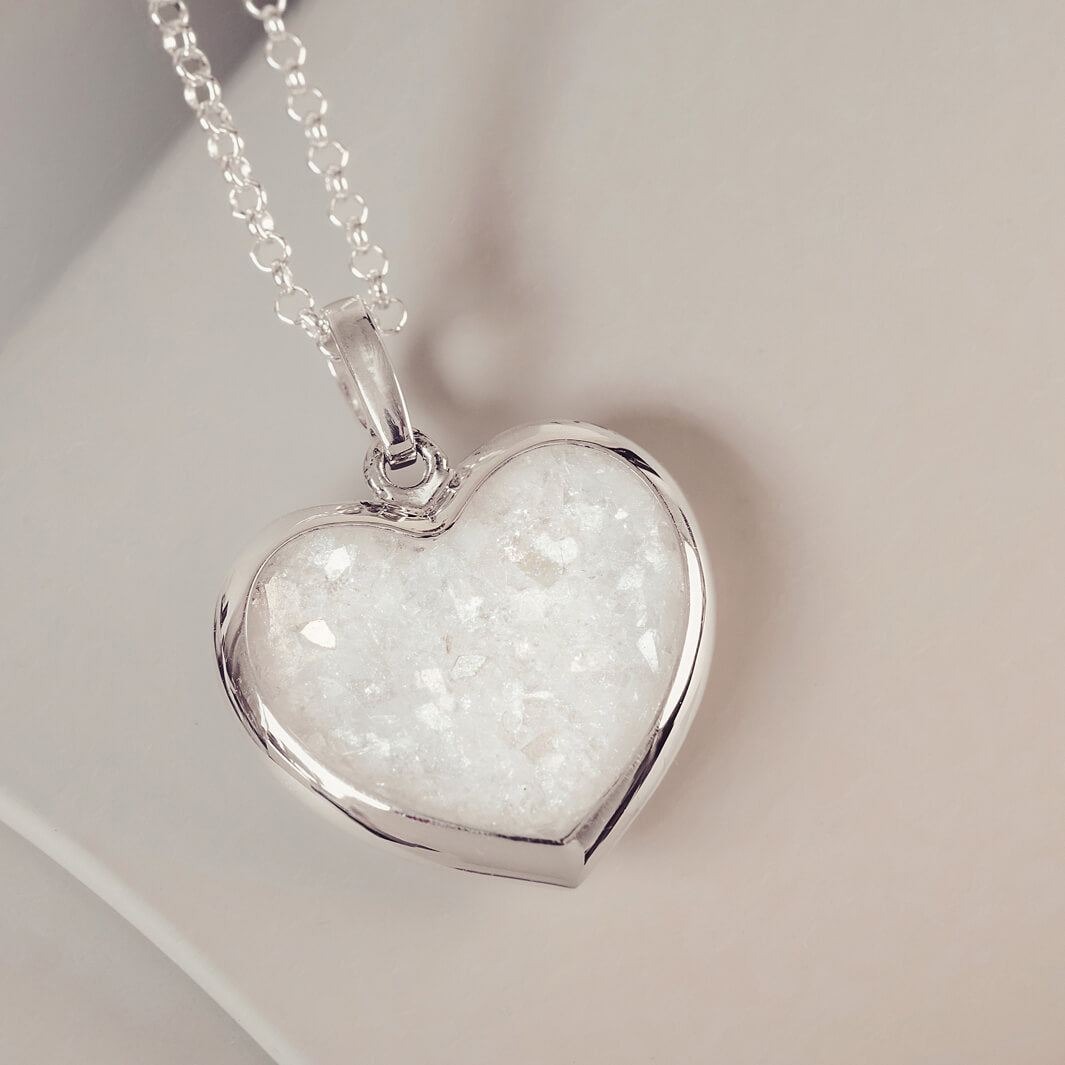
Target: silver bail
{"type": "Point", "coordinates": [358, 361]}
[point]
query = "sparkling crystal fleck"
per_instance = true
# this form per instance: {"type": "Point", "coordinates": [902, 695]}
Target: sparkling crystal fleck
{"type": "Point", "coordinates": [319, 632]}
{"type": "Point", "coordinates": [649, 650]}
{"type": "Point", "coordinates": [337, 562]}
{"type": "Point", "coordinates": [501, 675]}
{"type": "Point", "coordinates": [467, 666]}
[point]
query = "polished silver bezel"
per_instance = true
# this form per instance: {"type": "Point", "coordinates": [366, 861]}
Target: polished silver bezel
{"type": "Point", "coordinates": [557, 861]}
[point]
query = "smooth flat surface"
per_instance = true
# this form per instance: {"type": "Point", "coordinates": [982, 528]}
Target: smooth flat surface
{"type": "Point", "coordinates": [80, 985]}
{"type": "Point", "coordinates": [813, 261]}
{"type": "Point", "coordinates": [88, 118]}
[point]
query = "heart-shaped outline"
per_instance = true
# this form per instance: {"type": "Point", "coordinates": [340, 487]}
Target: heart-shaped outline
{"type": "Point", "coordinates": [555, 861]}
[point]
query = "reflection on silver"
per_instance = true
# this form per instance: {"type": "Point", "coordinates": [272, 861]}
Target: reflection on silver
{"type": "Point", "coordinates": [562, 861]}
{"type": "Point", "coordinates": [362, 368]}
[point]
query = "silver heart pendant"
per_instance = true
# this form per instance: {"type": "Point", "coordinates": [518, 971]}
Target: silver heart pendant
{"type": "Point", "coordinates": [491, 669]}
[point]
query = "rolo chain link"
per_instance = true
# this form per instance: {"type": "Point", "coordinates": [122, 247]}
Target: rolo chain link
{"type": "Point", "coordinates": [326, 157]}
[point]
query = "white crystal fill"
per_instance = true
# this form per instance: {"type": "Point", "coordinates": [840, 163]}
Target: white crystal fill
{"type": "Point", "coordinates": [501, 675]}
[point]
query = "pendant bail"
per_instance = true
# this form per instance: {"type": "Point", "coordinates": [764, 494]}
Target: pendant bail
{"type": "Point", "coordinates": [360, 364]}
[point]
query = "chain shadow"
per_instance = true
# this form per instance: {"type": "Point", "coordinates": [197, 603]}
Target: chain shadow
{"type": "Point", "coordinates": [494, 298]}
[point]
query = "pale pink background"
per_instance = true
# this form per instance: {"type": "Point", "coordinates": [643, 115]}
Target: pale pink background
{"type": "Point", "coordinates": [812, 257]}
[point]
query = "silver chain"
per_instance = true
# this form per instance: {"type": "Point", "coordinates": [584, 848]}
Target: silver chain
{"type": "Point", "coordinates": [326, 157]}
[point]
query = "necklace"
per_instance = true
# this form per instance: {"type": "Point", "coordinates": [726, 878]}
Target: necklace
{"type": "Point", "coordinates": [490, 664]}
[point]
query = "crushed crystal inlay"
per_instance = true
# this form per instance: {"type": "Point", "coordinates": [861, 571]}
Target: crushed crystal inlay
{"type": "Point", "coordinates": [501, 675]}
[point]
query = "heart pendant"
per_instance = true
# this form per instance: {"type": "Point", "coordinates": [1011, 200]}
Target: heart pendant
{"type": "Point", "coordinates": [495, 679]}
{"type": "Point", "coordinates": [492, 667]}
